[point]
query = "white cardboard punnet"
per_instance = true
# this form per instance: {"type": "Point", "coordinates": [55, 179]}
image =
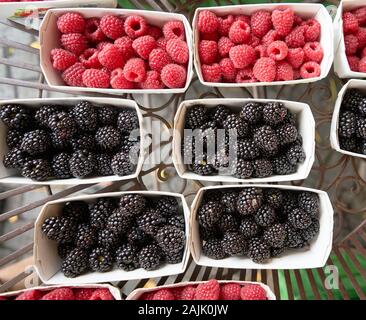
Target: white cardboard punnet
{"type": "Point", "coordinates": [334, 139]}
{"type": "Point", "coordinates": [47, 261]}
{"type": "Point", "coordinates": [137, 293]}
{"type": "Point", "coordinates": [13, 176]}
{"type": "Point", "coordinates": [306, 127]}
{"type": "Point", "coordinates": [306, 10]}
{"type": "Point", "coordinates": [314, 257]}
{"type": "Point", "coordinates": [49, 40]}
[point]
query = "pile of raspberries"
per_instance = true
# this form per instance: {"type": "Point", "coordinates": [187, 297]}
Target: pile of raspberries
{"type": "Point", "coordinates": [263, 47]}
{"type": "Point", "coordinates": [112, 52]}
{"type": "Point", "coordinates": [210, 290]}
{"type": "Point", "coordinates": [354, 30]}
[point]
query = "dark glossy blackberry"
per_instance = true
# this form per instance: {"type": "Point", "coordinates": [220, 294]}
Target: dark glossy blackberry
{"type": "Point", "coordinates": [85, 116]}
{"type": "Point", "coordinates": [281, 165]}
{"type": "Point", "coordinates": [311, 231]}
{"type": "Point", "coordinates": [15, 158]}
{"type": "Point", "coordinates": [60, 165]}
{"type": "Point", "coordinates": [299, 218]}
{"type": "Point", "coordinates": [228, 222]}
{"type": "Point", "coordinates": [209, 126]}
{"type": "Point", "coordinates": [361, 127]}
{"type": "Point", "coordinates": [203, 167]}
{"type": "Point", "coordinates": [248, 228]}
{"type": "Point", "coordinates": [127, 121]}
{"type": "Point", "coordinates": [43, 114]}
{"type": "Point", "coordinates": [265, 216]}
{"type": "Point", "coordinates": [234, 122]}
{"type": "Point", "coordinates": [37, 169]}
{"type": "Point", "coordinates": [309, 201]}
{"type": "Point", "coordinates": [289, 203]}
{"type": "Point", "coordinates": [361, 146]}
{"type": "Point", "coordinates": [177, 221]}
{"type": "Point", "coordinates": [120, 221]}
{"type": "Point", "coordinates": [348, 144]}
{"type": "Point", "coordinates": [167, 206]}
{"type": "Point", "coordinates": [107, 116]}
{"type": "Point", "coordinates": [212, 195]}
{"type": "Point", "coordinates": [86, 236]}
{"type": "Point", "coordinates": [290, 118]}
{"type": "Point", "coordinates": [136, 236]}
{"type": "Point", "coordinates": [103, 164]}
{"type": "Point", "coordinates": [130, 145]}
{"type": "Point", "coordinates": [35, 142]}
{"type": "Point", "coordinates": [77, 209]}
{"type": "Point", "coordinates": [62, 124]}
{"type": "Point", "coordinates": [108, 238]}
{"type": "Point", "coordinates": [149, 257]}
{"type": "Point", "coordinates": [82, 163]}
{"type": "Point", "coordinates": [244, 169]}
{"type": "Point", "coordinates": [122, 165]}
{"type": "Point", "coordinates": [84, 141]}
{"type": "Point", "coordinates": [59, 228]}
{"type": "Point", "coordinates": [100, 260]}
{"type": "Point", "coordinates": [262, 168]}
{"type": "Point", "coordinates": [247, 149]}
{"type": "Point", "coordinates": [286, 133]}
{"type": "Point", "coordinates": [294, 238]}
{"type": "Point", "coordinates": [174, 258]}
{"type": "Point", "coordinates": [275, 235]}
{"type": "Point", "coordinates": [108, 138]}
{"type": "Point", "coordinates": [233, 243]}
{"type": "Point", "coordinates": [266, 139]}
{"type": "Point", "coordinates": [58, 143]}
{"type": "Point", "coordinates": [126, 254]}
{"type": "Point", "coordinates": [150, 221]}
{"type": "Point", "coordinates": [258, 250]}
{"type": "Point", "coordinates": [16, 117]}
{"type": "Point", "coordinates": [274, 113]}
{"type": "Point", "coordinates": [249, 200]}
{"type": "Point", "coordinates": [352, 99]}
{"type": "Point", "coordinates": [133, 203]}
{"type": "Point", "coordinates": [252, 112]}
{"type": "Point", "coordinates": [210, 213]}
{"type": "Point", "coordinates": [273, 197]}
{"type": "Point", "coordinates": [228, 200]}
{"type": "Point", "coordinates": [275, 252]}
{"type": "Point", "coordinates": [63, 249]}
{"type": "Point", "coordinates": [196, 116]}
{"type": "Point", "coordinates": [13, 138]}
{"type": "Point", "coordinates": [347, 124]}
{"type": "Point", "coordinates": [213, 249]}
{"type": "Point", "coordinates": [295, 154]}
{"type": "Point", "coordinates": [219, 114]}
{"type": "Point", "coordinates": [222, 162]}
{"type": "Point", "coordinates": [100, 211]}
{"type": "Point", "coordinates": [209, 233]}
{"type": "Point", "coordinates": [362, 106]}
{"type": "Point", "coordinates": [170, 239]}
{"type": "Point", "coordinates": [76, 263]}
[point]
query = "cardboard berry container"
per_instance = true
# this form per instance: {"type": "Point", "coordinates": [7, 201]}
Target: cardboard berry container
{"type": "Point", "coordinates": [14, 176]}
{"type": "Point", "coordinates": [137, 293]}
{"type": "Point", "coordinates": [334, 139]}
{"type": "Point", "coordinates": [113, 290]}
{"type": "Point", "coordinates": [49, 39]}
{"type": "Point", "coordinates": [48, 263]}
{"type": "Point", "coordinates": [313, 257]}
{"type": "Point", "coordinates": [305, 126]}
{"type": "Point", "coordinates": [305, 10]}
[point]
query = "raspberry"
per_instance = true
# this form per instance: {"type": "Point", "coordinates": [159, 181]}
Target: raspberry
{"type": "Point", "coordinates": [71, 22]}
{"type": "Point", "coordinates": [178, 50]}
{"type": "Point", "coordinates": [242, 55]}
{"type": "Point", "coordinates": [163, 294]}
{"type": "Point", "coordinates": [296, 57]}
{"type": "Point", "coordinates": [152, 81]}
{"type": "Point", "coordinates": [245, 76]}
{"type": "Point", "coordinates": [112, 26]}
{"type": "Point", "coordinates": [351, 44]}
{"type": "Point", "coordinates": [360, 15]}
{"type": "Point", "coordinates": [83, 293]}
{"type": "Point", "coordinates": [313, 52]}
{"type": "Point", "coordinates": [187, 293]}
{"type": "Point", "coordinates": [209, 290]}
{"type": "Point", "coordinates": [173, 76]}
{"type": "Point", "coordinates": [265, 70]}
{"type": "Point", "coordinates": [143, 46]}
{"type": "Point", "coordinates": [261, 23]}
{"type": "Point", "coordinates": [95, 78]}
{"type": "Point", "coordinates": [135, 26]}
{"type": "Point", "coordinates": [363, 53]}
{"type": "Point", "coordinates": [227, 69]}
{"type": "Point", "coordinates": [155, 32]}
{"type": "Point", "coordinates": [261, 51]}
{"type": "Point", "coordinates": [285, 71]}
{"type": "Point", "coordinates": [30, 295]}
{"type": "Point", "coordinates": [353, 62]}
{"type": "Point", "coordinates": [74, 42]}
{"type": "Point", "coordinates": [296, 38]}
{"type": "Point", "coordinates": [239, 32]}
{"type": "Point", "coordinates": [283, 20]}
{"type": "Point", "coordinates": [272, 35]}
{"type": "Point", "coordinates": [312, 30]}
{"type": "Point", "coordinates": [125, 45]}
{"type": "Point", "coordinates": [362, 65]}
{"type": "Point", "coordinates": [174, 29]}
{"type": "Point", "coordinates": [207, 51]}
{"type": "Point", "coordinates": [213, 36]}
{"type": "Point", "coordinates": [161, 43]}
{"type": "Point", "coordinates": [89, 58]}
{"type": "Point", "coordinates": [147, 296]}
{"type": "Point", "coordinates": [225, 24]}
{"type": "Point", "coordinates": [361, 37]}
{"type": "Point", "coordinates": [230, 291]}
{"type": "Point", "coordinates": [350, 23]}
{"type": "Point", "coordinates": [118, 80]}
{"type": "Point", "coordinates": [158, 58]}
{"type": "Point", "coordinates": [93, 32]}
{"type": "Point", "coordinates": [101, 294]}
{"type": "Point", "coordinates": [111, 57]}
{"type": "Point", "coordinates": [62, 59]}
{"type": "Point", "coordinates": [243, 17]}
{"type": "Point", "coordinates": [211, 73]}
{"type": "Point", "coordinates": [102, 44]}
{"type": "Point", "coordinates": [253, 292]}
{"type": "Point", "coordinates": [297, 20]}
{"type": "Point", "coordinates": [135, 70]}
{"type": "Point", "coordinates": [207, 21]}
{"type": "Point", "coordinates": [73, 76]}
{"type": "Point", "coordinates": [254, 41]}
{"type": "Point", "coordinates": [59, 294]}
{"type": "Point", "coordinates": [277, 50]}
{"type": "Point", "coordinates": [297, 74]}
{"type": "Point", "coordinates": [224, 45]}
{"type": "Point", "coordinates": [310, 70]}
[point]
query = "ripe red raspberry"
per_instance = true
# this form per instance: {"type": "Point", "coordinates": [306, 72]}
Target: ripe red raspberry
{"type": "Point", "coordinates": [187, 293]}
{"type": "Point", "coordinates": [30, 295]}
{"type": "Point", "coordinates": [360, 15]}
{"type": "Point", "coordinates": [312, 30]}
{"type": "Point", "coordinates": [285, 71]}
{"type": "Point", "coordinates": [161, 43]}
{"type": "Point", "coordinates": [272, 35]}
{"type": "Point", "coordinates": [111, 57]}
{"type": "Point", "coordinates": [155, 32]}
{"type": "Point", "coordinates": [310, 69]}
{"type": "Point", "coordinates": [361, 37]}
{"type": "Point", "coordinates": [71, 22]}
{"type": "Point", "coordinates": [261, 23]}
{"type": "Point", "coordinates": [163, 294]}
{"type": "Point", "coordinates": [239, 32]}
{"type": "Point", "coordinates": [209, 290]}
{"type": "Point", "coordinates": [265, 70]}
{"type": "Point", "coordinates": [363, 52]}
{"type": "Point", "coordinates": [152, 81]}
{"type": "Point", "coordinates": [295, 57]}
{"type": "Point", "coordinates": [112, 26]}
{"type": "Point", "coordinates": [230, 291]}
{"type": "Point", "coordinates": [135, 26]}
{"type": "Point", "coordinates": [213, 36]}
{"type": "Point", "coordinates": [253, 292]}
{"type": "Point", "coordinates": [101, 45]}
{"type": "Point", "coordinates": [59, 294]}
{"type": "Point", "coordinates": [313, 52]}
{"type": "Point", "coordinates": [277, 50]}
{"type": "Point", "coordinates": [283, 20]}
{"type": "Point", "coordinates": [178, 50]}
{"type": "Point", "coordinates": [93, 32]}
{"type": "Point", "coordinates": [95, 78]}
{"type": "Point", "coordinates": [74, 42]}
{"type": "Point", "coordinates": [261, 51]}
{"type": "Point", "coordinates": [147, 296]}
{"type": "Point", "coordinates": [245, 75]}
{"type": "Point", "coordinates": [242, 55]}
{"type": "Point", "coordinates": [174, 29]}
{"type": "Point", "coordinates": [211, 73]}
{"type": "Point", "coordinates": [362, 65]}
{"type": "Point", "coordinates": [135, 70]}
{"type": "Point", "coordinates": [62, 59]}
{"type": "Point", "coordinates": [143, 46]}
{"type": "Point", "coordinates": [173, 76]}
{"type": "Point", "coordinates": [351, 44]}
{"type": "Point", "coordinates": [254, 41]}
{"type": "Point", "coordinates": [3, 299]}
{"type": "Point", "coordinates": [228, 70]}
{"type": "Point", "coordinates": [297, 74]}
{"type": "Point", "coordinates": [118, 80]}
{"type": "Point", "coordinates": [207, 51]}
{"type": "Point", "coordinates": [224, 46]}
{"type": "Point", "coordinates": [225, 24]}
{"type": "Point", "coordinates": [350, 23]}
{"type": "Point", "coordinates": [89, 58]}
{"type": "Point", "coordinates": [296, 38]}
{"type": "Point", "coordinates": [158, 58]}
{"type": "Point", "coordinates": [297, 20]}
{"type": "Point", "coordinates": [83, 293]}
{"type": "Point", "coordinates": [207, 21]}
{"type": "Point", "coordinates": [73, 76]}
{"type": "Point", "coordinates": [101, 294]}
{"type": "Point", "coordinates": [125, 45]}
{"type": "Point", "coordinates": [353, 62]}
{"type": "Point", "coordinates": [242, 17]}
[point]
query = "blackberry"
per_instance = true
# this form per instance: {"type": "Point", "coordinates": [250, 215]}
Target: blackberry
{"type": "Point", "coordinates": [196, 116]}
{"type": "Point", "coordinates": [213, 249]}
{"type": "Point", "coordinates": [77, 209]}
{"type": "Point", "coordinates": [249, 200]}
{"type": "Point", "coordinates": [352, 99]}
{"type": "Point", "coordinates": [244, 169]}
{"type": "Point", "coordinates": [167, 206]}
{"type": "Point", "coordinates": [258, 250]}
{"type": "Point", "coordinates": [247, 149]}
{"type": "Point", "coordinates": [108, 138]}
{"type": "Point", "coordinates": [38, 169]}
{"type": "Point", "coordinates": [273, 197]}
{"type": "Point", "coordinates": [295, 154]}
{"type": "Point", "coordinates": [233, 243]}
{"type": "Point", "coordinates": [174, 258]}
{"type": "Point", "coordinates": [130, 145]}
{"type": "Point", "coordinates": [262, 168]}
{"type": "Point", "coordinates": [252, 112]}
{"type": "Point", "coordinates": [361, 146]}
{"type": "Point", "coordinates": [275, 252]}
{"type": "Point", "coordinates": [108, 238]}
{"type": "Point", "coordinates": [275, 235]}
{"type": "Point", "coordinates": [286, 133]}
{"type": "Point", "coordinates": [121, 164]}
{"type": "Point", "coordinates": [294, 238]}
{"type": "Point", "coordinates": [282, 166]}
{"type": "Point", "coordinates": [170, 239]}
{"type": "Point", "coordinates": [35, 142]}
{"type": "Point", "coordinates": [16, 117]}
{"type": "Point", "coordinates": [228, 222]}
{"type": "Point", "coordinates": [150, 221]}
{"type": "Point", "coordinates": [347, 124]}
{"type": "Point", "coordinates": [126, 254]}
{"type": "Point", "coordinates": [133, 203]}
{"type": "Point", "coordinates": [59, 228]}
{"type": "Point", "coordinates": [85, 237]}
{"type": "Point", "coordinates": [209, 233]}
{"type": "Point", "coordinates": [274, 113]}
{"type": "Point", "coordinates": [107, 116]}
{"type": "Point", "coordinates": [127, 121]}
{"type": "Point", "coordinates": [63, 249]}
{"type": "Point", "coordinates": [82, 163]}
{"type": "Point", "coordinates": [43, 114]}
{"type": "Point", "coordinates": [348, 144]}
{"type": "Point", "coordinates": [149, 257]}
{"type": "Point", "coordinates": [361, 127]}
{"type": "Point", "coordinates": [75, 264]}
{"type": "Point", "coordinates": [119, 221]}
{"type": "Point", "coordinates": [362, 106]}
{"type": "Point", "coordinates": [299, 218]}
{"type": "Point", "coordinates": [209, 214]}
{"type": "Point", "coordinates": [100, 211]}
{"type": "Point", "coordinates": [84, 141]}
{"type": "Point", "coordinates": [222, 162]}
{"type": "Point", "coordinates": [266, 139]}
{"type": "Point", "coordinates": [219, 114]}
{"type": "Point", "coordinates": [289, 203]}
{"type": "Point", "coordinates": [188, 148]}
{"type": "Point", "coordinates": [15, 158]}
{"type": "Point", "coordinates": [290, 118]}
{"type": "Point", "coordinates": [202, 167]}
{"type": "Point", "coordinates": [13, 138]}
{"type": "Point", "coordinates": [177, 221]}
{"type": "Point", "coordinates": [100, 260]}
{"type": "Point", "coordinates": [62, 124]}
{"type": "Point", "coordinates": [85, 116]}
{"type": "Point", "coordinates": [58, 143]}
{"type": "Point", "coordinates": [309, 201]}
{"type": "Point", "coordinates": [209, 126]}
{"type": "Point", "coordinates": [311, 231]}
{"type": "Point", "coordinates": [103, 164]}
{"type": "Point", "coordinates": [265, 216]}
{"type": "Point", "coordinates": [248, 228]}
{"type": "Point", "coordinates": [233, 122]}
{"type": "Point", "coordinates": [228, 200]}
{"type": "Point", "coordinates": [60, 165]}
{"type": "Point", "coordinates": [212, 195]}
{"type": "Point", "coordinates": [136, 236]}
